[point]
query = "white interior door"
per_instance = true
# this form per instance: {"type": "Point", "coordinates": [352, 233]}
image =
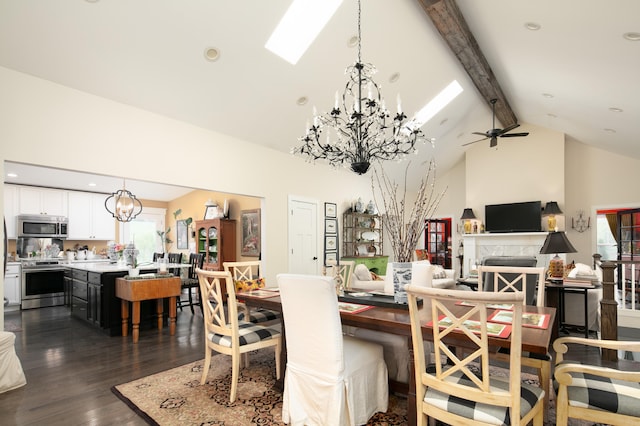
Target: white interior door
{"type": "Point", "coordinates": [143, 232]}
{"type": "Point", "coordinates": [303, 237]}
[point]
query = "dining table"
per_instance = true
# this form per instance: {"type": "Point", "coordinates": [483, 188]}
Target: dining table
{"type": "Point", "coordinates": [393, 319]}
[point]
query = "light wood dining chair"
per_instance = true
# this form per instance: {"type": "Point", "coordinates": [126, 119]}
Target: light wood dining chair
{"type": "Point", "coordinates": [247, 276]}
{"type": "Point", "coordinates": [342, 271]}
{"type": "Point", "coordinates": [601, 392]}
{"type": "Point", "coordinates": [224, 333]}
{"type": "Point", "coordinates": [454, 394]}
{"type": "Point", "coordinates": [530, 281]}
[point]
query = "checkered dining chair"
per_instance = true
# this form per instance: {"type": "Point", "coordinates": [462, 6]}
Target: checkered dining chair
{"type": "Point", "coordinates": [224, 333]}
{"type": "Point", "coordinates": [604, 392]}
{"type": "Point", "coordinates": [454, 394]}
{"type": "Point", "coordinates": [530, 281]}
{"type": "Point", "coordinates": [247, 276]}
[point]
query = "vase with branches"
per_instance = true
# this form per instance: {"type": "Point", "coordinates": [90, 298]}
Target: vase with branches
{"type": "Point", "coordinates": [405, 220]}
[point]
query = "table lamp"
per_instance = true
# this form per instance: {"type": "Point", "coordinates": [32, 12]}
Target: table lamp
{"type": "Point", "coordinates": [467, 216]}
{"type": "Point", "coordinates": [556, 242]}
{"type": "Point", "coordinates": [551, 209]}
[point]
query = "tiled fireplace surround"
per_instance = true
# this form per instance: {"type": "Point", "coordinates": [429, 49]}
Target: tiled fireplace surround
{"type": "Point", "coordinates": [479, 246]}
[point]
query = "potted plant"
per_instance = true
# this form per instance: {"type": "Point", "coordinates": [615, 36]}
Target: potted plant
{"type": "Point", "coordinates": [404, 221]}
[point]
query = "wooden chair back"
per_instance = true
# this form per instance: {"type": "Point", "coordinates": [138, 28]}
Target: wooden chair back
{"type": "Point", "coordinates": [195, 261]}
{"type": "Point", "coordinates": [244, 271]}
{"type": "Point", "coordinates": [474, 326]}
{"type": "Point", "coordinates": [214, 288]}
{"type": "Point", "coordinates": [342, 272]}
{"type": "Point", "coordinates": [528, 280]}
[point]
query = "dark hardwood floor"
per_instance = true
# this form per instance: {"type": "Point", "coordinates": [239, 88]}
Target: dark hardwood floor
{"type": "Point", "coordinates": [71, 367]}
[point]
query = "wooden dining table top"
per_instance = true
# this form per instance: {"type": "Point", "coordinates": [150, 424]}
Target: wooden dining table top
{"type": "Point", "coordinates": [396, 321]}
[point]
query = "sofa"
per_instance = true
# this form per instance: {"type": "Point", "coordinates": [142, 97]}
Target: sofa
{"type": "Point", "coordinates": [438, 277]}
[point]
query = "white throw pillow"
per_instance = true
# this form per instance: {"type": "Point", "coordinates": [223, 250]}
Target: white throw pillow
{"type": "Point", "coordinates": [438, 272]}
{"type": "Point", "coordinates": [362, 273]}
{"type": "Point", "coordinates": [580, 269]}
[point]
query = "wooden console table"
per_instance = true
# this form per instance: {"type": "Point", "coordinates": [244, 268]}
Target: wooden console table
{"type": "Point", "coordinates": [136, 290]}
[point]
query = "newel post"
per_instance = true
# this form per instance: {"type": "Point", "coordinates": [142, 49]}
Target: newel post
{"type": "Point", "coordinates": [608, 310]}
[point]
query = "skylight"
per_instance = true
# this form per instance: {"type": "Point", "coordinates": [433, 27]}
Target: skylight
{"type": "Point", "coordinates": [299, 27]}
{"type": "Point", "coordinates": [436, 104]}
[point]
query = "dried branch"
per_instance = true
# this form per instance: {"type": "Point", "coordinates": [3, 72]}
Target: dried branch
{"type": "Point", "coordinates": [405, 230]}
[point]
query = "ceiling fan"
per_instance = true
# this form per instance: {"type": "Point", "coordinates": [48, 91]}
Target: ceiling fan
{"type": "Point", "coordinates": [494, 133]}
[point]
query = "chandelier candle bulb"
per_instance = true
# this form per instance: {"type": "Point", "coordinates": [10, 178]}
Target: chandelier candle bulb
{"type": "Point", "coordinates": [399, 104]}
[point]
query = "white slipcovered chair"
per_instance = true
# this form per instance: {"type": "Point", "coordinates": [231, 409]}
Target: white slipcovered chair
{"type": "Point", "coordinates": [396, 348]}
{"type": "Point", "coordinates": [11, 373]}
{"type": "Point", "coordinates": [330, 379]}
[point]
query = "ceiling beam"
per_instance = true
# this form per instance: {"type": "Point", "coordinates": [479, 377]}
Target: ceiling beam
{"type": "Point", "coordinates": [453, 28]}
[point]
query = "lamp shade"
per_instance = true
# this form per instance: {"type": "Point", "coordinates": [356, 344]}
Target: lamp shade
{"type": "Point", "coordinates": [551, 208]}
{"type": "Point", "coordinates": [557, 242]}
{"type": "Point", "coordinates": [468, 214]}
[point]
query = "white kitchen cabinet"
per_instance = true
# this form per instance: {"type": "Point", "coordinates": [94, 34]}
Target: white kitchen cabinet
{"type": "Point", "coordinates": [88, 218]}
{"type": "Point", "coordinates": [34, 200]}
{"type": "Point", "coordinates": [12, 283]}
{"type": "Point", "coordinates": [10, 209]}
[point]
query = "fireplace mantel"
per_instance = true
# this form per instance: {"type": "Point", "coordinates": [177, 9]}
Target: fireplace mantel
{"type": "Point", "coordinates": [479, 246]}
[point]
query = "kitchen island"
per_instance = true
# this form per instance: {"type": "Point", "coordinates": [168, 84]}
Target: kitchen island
{"type": "Point", "coordinates": [91, 293]}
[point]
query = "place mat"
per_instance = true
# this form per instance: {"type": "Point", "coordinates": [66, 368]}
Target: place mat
{"type": "Point", "coordinates": [382, 301]}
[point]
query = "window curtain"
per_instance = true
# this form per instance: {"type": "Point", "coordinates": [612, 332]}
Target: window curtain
{"type": "Point", "coordinates": [612, 220]}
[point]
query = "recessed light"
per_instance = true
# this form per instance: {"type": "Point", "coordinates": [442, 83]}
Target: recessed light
{"type": "Point", "coordinates": [610, 130]}
{"type": "Point", "coordinates": [631, 36]}
{"type": "Point", "coordinates": [532, 26]}
{"type": "Point", "coordinates": [394, 77]}
{"type": "Point", "coordinates": [443, 121]}
{"type": "Point", "coordinates": [547, 95]}
{"type": "Point", "coordinates": [353, 41]}
{"type": "Point", "coordinates": [302, 100]}
{"type": "Point", "coordinates": [614, 109]}
{"type": "Point", "coordinates": [552, 115]}
{"type": "Point", "coordinates": [211, 54]}
{"type": "Point", "coordinates": [92, 184]}
{"type": "Point", "coordinates": [12, 175]}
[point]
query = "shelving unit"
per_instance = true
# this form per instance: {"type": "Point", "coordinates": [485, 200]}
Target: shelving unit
{"type": "Point", "coordinates": [362, 240]}
{"type": "Point", "coordinates": [216, 239]}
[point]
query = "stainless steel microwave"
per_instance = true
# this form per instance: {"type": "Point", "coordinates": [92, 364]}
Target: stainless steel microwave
{"type": "Point", "coordinates": [42, 226]}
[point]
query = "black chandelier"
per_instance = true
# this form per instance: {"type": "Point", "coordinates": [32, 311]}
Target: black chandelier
{"type": "Point", "coordinates": [362, 128]}
{"type": "Point", "coordinates": [125, 205]}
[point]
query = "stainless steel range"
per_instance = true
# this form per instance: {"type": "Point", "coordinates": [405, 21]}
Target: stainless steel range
{"type": "Point", "coordinates": [42, 283]}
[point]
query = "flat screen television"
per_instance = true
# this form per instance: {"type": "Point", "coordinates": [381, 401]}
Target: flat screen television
{"type": "Point", "coordinates": [513, 217]}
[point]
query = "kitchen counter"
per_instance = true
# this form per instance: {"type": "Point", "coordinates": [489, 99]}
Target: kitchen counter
{"type": "Point", "coordinates": [100, 267]}
{"type": "Point", "coordinates": [93, 297]}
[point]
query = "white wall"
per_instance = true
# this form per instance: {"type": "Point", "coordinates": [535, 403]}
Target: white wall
{"type": "Point", "coordinates": [596, 179]}
{"type": "Point", "coordinates": [48, 124]}
{"type": "Point", "coordinates": [519, 169]}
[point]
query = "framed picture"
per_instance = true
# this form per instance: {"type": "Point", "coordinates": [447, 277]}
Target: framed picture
{"type": "Point", "coordinates": [182, 234]}
{"type": "Point", "coordinates": [211, 212]}
{"type": "Point", "coordinates": [330, 226]}
{"type": "Point", "coordinates": [330, 255]}
{"type": "Point", "coordinates": [330, 242]}
{"type": "Point", "coordinates": [250, 220]}
{"type": "Point", "coordinates": [330, 210]}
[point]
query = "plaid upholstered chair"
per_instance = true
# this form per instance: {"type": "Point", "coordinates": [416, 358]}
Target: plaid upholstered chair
{"type": "Point", "coordinates": [453, 394]}
{"type": "Point", "coordinates": [606, 393]}
{"type": "Point", "coordinates": [530, 281]}
{"type": "Point", "coordinates": [224, 333]}
{"type": "Point", "coordinates": [247, 276]}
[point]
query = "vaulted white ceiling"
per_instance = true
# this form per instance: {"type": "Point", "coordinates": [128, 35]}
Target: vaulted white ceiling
{"type": "Point", "coordinates": [151, 54]}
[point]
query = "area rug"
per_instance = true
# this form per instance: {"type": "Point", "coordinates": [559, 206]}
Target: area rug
{"type": "Point", "coordinates": [175, 397]}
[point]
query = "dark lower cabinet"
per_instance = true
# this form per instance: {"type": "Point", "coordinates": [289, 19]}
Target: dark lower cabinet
{"type": "Point", "coordinates": [93, 299]}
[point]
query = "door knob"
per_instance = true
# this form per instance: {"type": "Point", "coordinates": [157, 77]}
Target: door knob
{"type": "Point", "coordinates": [315, 257]}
